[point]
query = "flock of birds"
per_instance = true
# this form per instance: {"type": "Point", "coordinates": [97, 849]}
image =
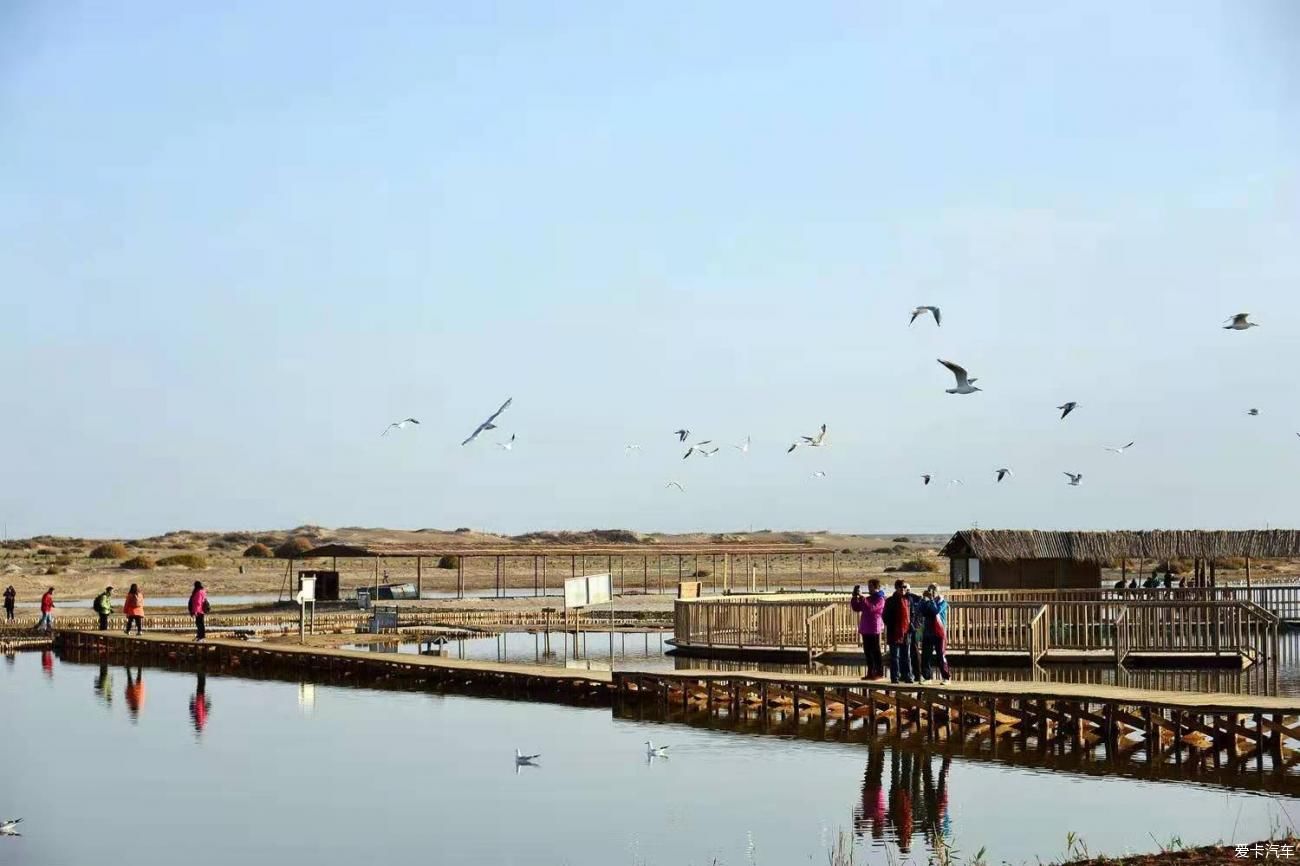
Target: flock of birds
{"type": "Point", "coordinates": [964, 384]}
{"type": "Point", "coordinates": [521, 760]}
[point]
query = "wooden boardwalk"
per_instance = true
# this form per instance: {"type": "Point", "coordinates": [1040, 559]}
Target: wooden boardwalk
{"type": "Point", "coordinates": [1232, 735]}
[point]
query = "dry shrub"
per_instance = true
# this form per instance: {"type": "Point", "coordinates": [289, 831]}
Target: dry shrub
{"type": "Point", "coordinates": [63, 559]}
{"type": "Point", "coordinates": [701, 572]}
{"type": "Point", "coordinates": [137, 563]}
{"type": "Point", "coordinates": [294, 547]}
{"type": "Point", "coordinates": [111, 550]}
{"type": "Point", "coordinates": [46, 551]}
{"type": "Point", "coordinates": [902, 539]}
{"type": "Point", "coordinates": [259, 551]}
{"type": "Point", "coordinates": [883, 550]}
{"type": "Point", "coordinates": [448, 560]}
{"type": "Point", "coordinates": [919, 564]}
{"type": "Point", "coordinates": [189, 560]}
{"type": "Point", "coordinates": [53, 569]}
{"type": "Point", "coordinates": [1230, 563]}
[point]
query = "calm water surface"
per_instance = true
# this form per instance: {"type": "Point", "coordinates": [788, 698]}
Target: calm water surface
{"type": "Point", "coordinates": [160, 767]}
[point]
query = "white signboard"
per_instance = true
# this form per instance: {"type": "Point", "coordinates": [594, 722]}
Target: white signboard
{"type": "Point", "coordinates": [307, 592]}
{"type": "Point", "coordinates": [587, 590]}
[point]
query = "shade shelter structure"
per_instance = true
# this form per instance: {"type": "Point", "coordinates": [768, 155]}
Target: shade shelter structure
{"type": "Point", "coordinates": [1037, 559]}
{"type": "Point", "coordinates": [734, 567]}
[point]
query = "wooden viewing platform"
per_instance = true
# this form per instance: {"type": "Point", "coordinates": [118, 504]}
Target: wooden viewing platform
{"type": "Point", "coordinates": [1235, 736]}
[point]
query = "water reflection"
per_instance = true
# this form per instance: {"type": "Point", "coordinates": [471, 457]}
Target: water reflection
{"type": "Point", "coordinates": [135, 693]}
{"type": "Point", "coordinates": [47, 663]}
{"type": "Point", "coordinates": [916, 801]}
{"type": "Point", "coordinates": [104, 684]}
{"type": "Point", "coordinates": [200, 704]}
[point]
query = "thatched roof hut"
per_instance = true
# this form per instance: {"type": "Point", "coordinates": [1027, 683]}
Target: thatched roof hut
{"type": "Point", "coordinates": [1006, 545]}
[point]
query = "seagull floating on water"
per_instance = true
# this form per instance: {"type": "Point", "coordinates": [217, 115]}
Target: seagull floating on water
{"type": "Point", "coordinates": [654, 751]}
{"type": "Point", "coordinates": [1003, 473]}
{"type": "Point", "coordinates": [964, 381]}
{"type": "Point", "coordinates": [922, 310]}
{"type": "Point", "coordinates": [9, 827]}
{"type": "Point", "coordinates": [675, 484]}
{"type": "Point", "coordinates": [816, 441]}
{"type": "Point", "coordinates": [508, 445]}
{"type": "Point", "coordinates": [1238, 323]}
{"type": "Point", "coordinates": [1120, 450]}
{"type": "Point", "coordinates": [1067, 408]}
{"type": "Point", "coordinates": [399, 425]}
{"type": "Point", "coordinates": [743, 447]}
{"type": "Point", "coordinates": [925, 478]}
{"type": "Point", "coordinates": [1074, 477]}
{"type": "Point", "coordinates": [681, 434]}
{"type": "Point", "coordinates": [488, 425]}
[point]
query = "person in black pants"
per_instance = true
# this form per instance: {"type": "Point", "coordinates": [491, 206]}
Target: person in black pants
{"type": "Point", "coordinates": [916, 629]}
{"type": "Point", "coordinates": [104, 607]}
{"type": "Point", "coordinates": [11, 595]}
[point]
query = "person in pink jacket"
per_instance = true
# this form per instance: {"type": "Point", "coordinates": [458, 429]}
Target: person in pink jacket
{"type": "Point", "coordinates": [199, 609]}
{"type": "Point", "coordinates": [871, 624]}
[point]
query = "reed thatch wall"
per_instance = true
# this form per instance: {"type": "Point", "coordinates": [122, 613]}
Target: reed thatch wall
{"type": "Point", "coordinates": [1011, 544]}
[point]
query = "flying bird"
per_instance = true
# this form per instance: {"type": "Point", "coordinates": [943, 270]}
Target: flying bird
{"type": "Point", "coordinates": [1067, 408]}
{"type": "Point", "coordinates": [522, 759]}
{"type": "Point", "coordinates": [925, 479]}
{"type": "Point", "coordinates": [628, 449]}
{"type": "Point", "coordinates": [653, 751]}
{"type": "Point", "coordinates": [1075, 478]}
{"type": "Point", "coordinates": [743, 447]}
{"type": "Point", "coordinates": [819, 474]}
{"type": "Point", "coordinates": [488, 425]}
{"type": "Point", "coordinates": [399, 425]}
{"type": "Point", "coordinates": [1238, 323]}
{"type": "Point", "coordinates": [816, 441]}
{"type": "Point", "coordinates": [1120, 450]}
{"type": "Point", "coordinates": [508, 445]}
{"type": "Point", "coordinates": [964, 385]}
{"type": "Point", "coordinates": [675, 484]}
{"type": "Point", "coordinates": [1003, 473]}
{"type": "Point", "coordinates": [955, 481]}
{"type": "Point", "coordinates": [681, 434]}
{"type": "Point", "coordinates": [921, 311]}
{"type": "Point", "coordinates": [698, 448]}
{"type": "Point", "coordinates": [1252, 412]}
{"type": "Point", "coordinates": [9, 827]}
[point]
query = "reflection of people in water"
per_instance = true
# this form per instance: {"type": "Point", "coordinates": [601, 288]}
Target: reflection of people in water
{"type": "Point", "coordinates": [135, 692]}
{"type": "Point", "coordinates": [915, 802]}
{"type": "Point", "coordinates": [104, 683]}
{"type": "Point", "coordinates": [47, 663]}
{"type": "Point", "coordinates": [199, 703]}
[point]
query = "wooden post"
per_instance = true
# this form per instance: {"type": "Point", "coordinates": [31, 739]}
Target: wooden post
{"type": "Point", "coordinates": [460, 576]}
{"type": "Point", "coordinates": [1248, 577]}
{"type": "Point", "coordinates": [419, 577]}
{"type": "Point", "coordinates": [801, 572]}
{"type": "Point", "coordinates": [645, 575]}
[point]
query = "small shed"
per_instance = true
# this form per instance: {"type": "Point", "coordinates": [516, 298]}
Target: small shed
{"type": "Point", "coordinates": [976, 565]}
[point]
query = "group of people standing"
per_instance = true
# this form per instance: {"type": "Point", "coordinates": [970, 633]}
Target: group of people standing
{"type": "Point", "coordinates": [912, 626]}
{"type": "Point", "coordinates": [132, 609]}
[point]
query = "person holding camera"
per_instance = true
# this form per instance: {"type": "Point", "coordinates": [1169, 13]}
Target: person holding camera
{"type": "Point", "coordinates": [871, 624]}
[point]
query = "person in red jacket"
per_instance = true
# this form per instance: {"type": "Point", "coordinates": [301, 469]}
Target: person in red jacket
{"type": "Point", "coordinates": [134, 609]}
{"type": "Point", "coordinates": [898, 625]}
{"type": "Point", "coordinates": [46, 622]}
{"type": "Point", "coordinates": [869, 608]}
{"type": "Point", "coordinates": [199, 609]}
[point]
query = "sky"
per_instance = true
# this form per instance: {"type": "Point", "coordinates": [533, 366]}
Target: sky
{"type": "Point", "coordinates": [237, 240]}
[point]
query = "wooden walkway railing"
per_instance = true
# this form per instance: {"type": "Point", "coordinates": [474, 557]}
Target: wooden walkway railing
{"type": "Point", "coordinates": [1282, 601]}
{"type": "Point", "coordinates": [1115, 625]}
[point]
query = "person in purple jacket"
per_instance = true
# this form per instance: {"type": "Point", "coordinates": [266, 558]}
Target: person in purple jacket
{"type": "Point", "coordinates": [870, 608]}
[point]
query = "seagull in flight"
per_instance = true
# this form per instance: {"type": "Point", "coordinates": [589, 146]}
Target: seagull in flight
{"type": "Point", "coordinates": [508, 445]}
{"type": "Point", "coordinates": [10, 827]}
{"type": "Point", "coordinates": [698, 448]}
{"type": "Point", "coordinates": [955, 481]}
{"type": "Point", "coordinates": [743, 447]}
{"type": "Point", "coordinates": [1003, 473]}
{"type": "Point", "coordinates": [653, 751]}
{"type": "Point", "coordinates": [522, 760]}
{"type": "Point", "coordinates": [681, 434]}
{"type": "Point", "coordinates": [1067, 408]}
{"type": "Point", "coordinates": [630, 447]}
{"type": "Point", "coordinates": [1120, 450]}
{"type": "Point", "coordinates": [675, 484]}
{"type": "Point", "coordinates": [819, 474]}
{"type": "Point", "coordinates": [488, 425]}
{"type": "Point", "coordinates": [964, 385]}
{"type": "Point", "coordinates": [925, 478]}
{"type": "Point", "coordinates": [1252, 412]}
{"type": "Point", "coordinates": [398, 425]}
{"type": "Point", "coordinates": [816, 441]}
{"type": "Point", "coordinates": [1238, 322]}
{"type": "Point", "coordinates": [921, 311]}
{"type": "Point", "coordinates": [1075, 478]}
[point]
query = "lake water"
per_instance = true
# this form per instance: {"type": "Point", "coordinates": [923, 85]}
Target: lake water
{"type": "Point", "coordinates": [157, 766]}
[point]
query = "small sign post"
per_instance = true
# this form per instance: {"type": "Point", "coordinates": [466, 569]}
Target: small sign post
{"type": "Point", "coordinates": [306, 596]}
{"type": "Point", "coordinates": [588, 590]}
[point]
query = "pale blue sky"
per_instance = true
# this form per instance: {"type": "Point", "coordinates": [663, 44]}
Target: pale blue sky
{"type": "Point", "coordinates": [236, 241]}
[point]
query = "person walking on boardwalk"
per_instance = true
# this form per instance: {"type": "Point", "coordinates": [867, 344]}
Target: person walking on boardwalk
{"type": "Point", "coordinates": [103, 605]}
{"type": "Point", "coordinates": [934, 646]}
{"type": "Point", "coordinates": [11, 595]}
{"type": "Point", "coordinates": [46, 622]}
{"type": "Point", "coordinates": [870, 625]}
{"type": "Point", "coordinates": [133, 609]}
{"type": "Point", "coordinates": [898, 624]}
{"type": "Point", "coordinates": [199, 608]}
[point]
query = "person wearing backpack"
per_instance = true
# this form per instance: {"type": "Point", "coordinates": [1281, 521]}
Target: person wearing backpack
{"type": "Point", "coordinates": [199, 608]}
{"type": "Point", "coordinates": [103, 605]}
